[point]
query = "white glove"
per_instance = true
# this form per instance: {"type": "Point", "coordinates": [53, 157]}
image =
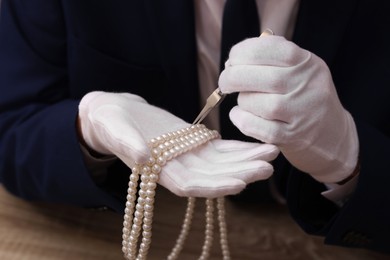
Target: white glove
{"type": "Point", "coordinates": [122, 123]}
{"type": "Point", "coordinates": [287, 97]}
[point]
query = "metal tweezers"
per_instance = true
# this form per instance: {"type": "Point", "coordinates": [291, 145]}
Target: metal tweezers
{"type": "Point", "coordinates": [217, 96]}
{"type": "Point", "coordinates": [212, 101]}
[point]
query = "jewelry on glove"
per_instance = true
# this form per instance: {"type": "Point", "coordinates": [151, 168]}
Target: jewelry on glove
{"type": "Point", "coordinates": [138, 215]}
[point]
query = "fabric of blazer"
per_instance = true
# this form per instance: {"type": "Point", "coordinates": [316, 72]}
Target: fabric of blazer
{"type": "Point", "coordinates": [54, 52]}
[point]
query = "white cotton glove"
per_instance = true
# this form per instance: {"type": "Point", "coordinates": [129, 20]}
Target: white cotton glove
{"type": "Point", "coordinates": [287, 97]}
{"type": "Point", "coordinates": [121, 124]}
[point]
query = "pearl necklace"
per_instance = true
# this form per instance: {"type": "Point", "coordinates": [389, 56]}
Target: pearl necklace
{"type": "Point", "coordinates": [138, 215]}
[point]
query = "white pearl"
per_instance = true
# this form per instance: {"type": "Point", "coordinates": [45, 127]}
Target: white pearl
{"type": "Point", "coordinates": [146, 169]}
{"type": "Point", "coordinates": [148, 208]}
{"type": "Point", "coordinates": [142, 193]}
{"type": "Point", "coordinates": [126, 232]}
{"type": "Point", "coordinates": [137, 221]}
{"type": "Point", "coordinates": [135, 170]}
{"type": "Point", "coordinates": [147, 226]}
{"type": "Point", "coordinates": [143, 186]}
{"type": "Point", "coordinates": [151, 161]}
{"type": "Point", "coordinates": [150, 193]}
{"type": "Point", "coordinates": [147, 223]}
{"type": "Point", "coordinates": [152, 141]}
{"type": "Point", "coordinates": [141, 202]}
{"type": "Point", "coordinates": [132, 184]}
{"type": "Point", "coordinates": [153, 177]}
{"type": "Point", "coordinates": [144, 248]}
{"type": "Point", "coordinates": [161, 160]}
{"type": "Point", "coordinates": [128, 211]}
{"type": "Point", "coordinates": [161, 147]}
{"type": "Point", "coordinates": [134, 177]}
{"type": "Point", "coordinates": [152, 186]}
{"type": "Point", "coordinates": [144, 178]}
{"type": "Point", "coordinates": [148, 214]}
{"type": "Point", "coordinates": [128, 218]}
{"type": "Point", "coordinates": [138, 214]}
{"type": "Point", "coordinates": [168, 156]}
{"type": "Point", "coordinates": [156, 169]}
{"type": "Point", "coordinates": [131, 190]}
{"type": "Point", "coordinates": [147, 234]}
{"type": "Point", "coordinates": [135, 228]}
{"type": "Point", "coordinates": [155, 152]}
{"type": "Point", "coordinates": [149, 201]}
{"type": "Point", "coordinates": [129, 205]}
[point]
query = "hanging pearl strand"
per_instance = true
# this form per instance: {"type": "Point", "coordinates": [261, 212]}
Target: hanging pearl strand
{"type": "Point", "coordinates": [223, 228]}
{"type": "Point", "coordinates": [139, 211]}
{"type": "Point", "coordinates": [209, 230]}
{"type": "Point", "coordinates": [185, 229]}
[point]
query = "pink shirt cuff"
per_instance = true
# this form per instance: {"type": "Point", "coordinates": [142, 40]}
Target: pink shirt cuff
{"type": "Point", "coordinates": [339, 194]}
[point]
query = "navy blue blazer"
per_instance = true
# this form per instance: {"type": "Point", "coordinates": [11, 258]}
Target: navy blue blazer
{"type": "Point", "coordinates": [54, 52]}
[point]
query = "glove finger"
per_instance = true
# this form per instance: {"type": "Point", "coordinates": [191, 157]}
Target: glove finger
{"type": "Point", "coordinates": [217, 187]}
{"type": "Point", "coordinates": [265, 79]}
{"type": "Point", "coordinates": [270, 51]}
{"type": "Point", "coordinates": [248, 171]}
{"type": "Point", "coordinates": [120, 134]}
{"type": "Point", "coordinates": [267, 106]}
{"type": "Point", "coordinates": [187, 183]}
{"type": "Point", "coordinates": [268, 131]}
{"type": "Point", "coordinates": [223, 145]}
{"type": "Point", "coordinates": [235, 151]}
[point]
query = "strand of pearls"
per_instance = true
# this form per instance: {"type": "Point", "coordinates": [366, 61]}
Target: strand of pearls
{"type": "Point", "coordinates": [223, 228]}
{"type": "Point", "coordinates": [185, 229]}
{"type": "Point", "coordinates": [138, 215]}
{"type": "Point", "coordinates": [209, 230]}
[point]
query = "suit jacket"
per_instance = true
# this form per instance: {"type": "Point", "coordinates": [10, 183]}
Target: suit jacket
{"type": "Point", "coordinates": [54, 52]}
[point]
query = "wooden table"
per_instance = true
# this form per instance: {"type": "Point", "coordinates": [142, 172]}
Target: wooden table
{"type": "Point", "coordinates": [44, 231]}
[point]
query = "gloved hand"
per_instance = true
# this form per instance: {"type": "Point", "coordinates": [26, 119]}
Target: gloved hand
{"type": "Point", "coordinates": [121, 124]}
{"type": "Point", "coordinates": [287, 97]}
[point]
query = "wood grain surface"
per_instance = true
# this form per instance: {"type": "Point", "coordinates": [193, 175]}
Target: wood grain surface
{"type": "Point", "coordinates": [40, 231]}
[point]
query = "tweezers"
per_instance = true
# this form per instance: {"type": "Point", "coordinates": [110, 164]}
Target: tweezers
{"type": "Point", "coordinates": [217, 96]}
{"type": "Point", "coordinates": [212, 101]}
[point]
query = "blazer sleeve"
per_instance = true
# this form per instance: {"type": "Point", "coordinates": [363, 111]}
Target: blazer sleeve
{"type": "Point", "coordinates": [40, 156]}
{"type": "Point", "coordinates": [362, 79]}
{"type": "Point", "coordinates": [363, 221]}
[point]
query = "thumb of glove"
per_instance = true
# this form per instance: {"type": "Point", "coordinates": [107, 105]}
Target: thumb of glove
{"type": "Point", "coordinates": [108, 129]}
